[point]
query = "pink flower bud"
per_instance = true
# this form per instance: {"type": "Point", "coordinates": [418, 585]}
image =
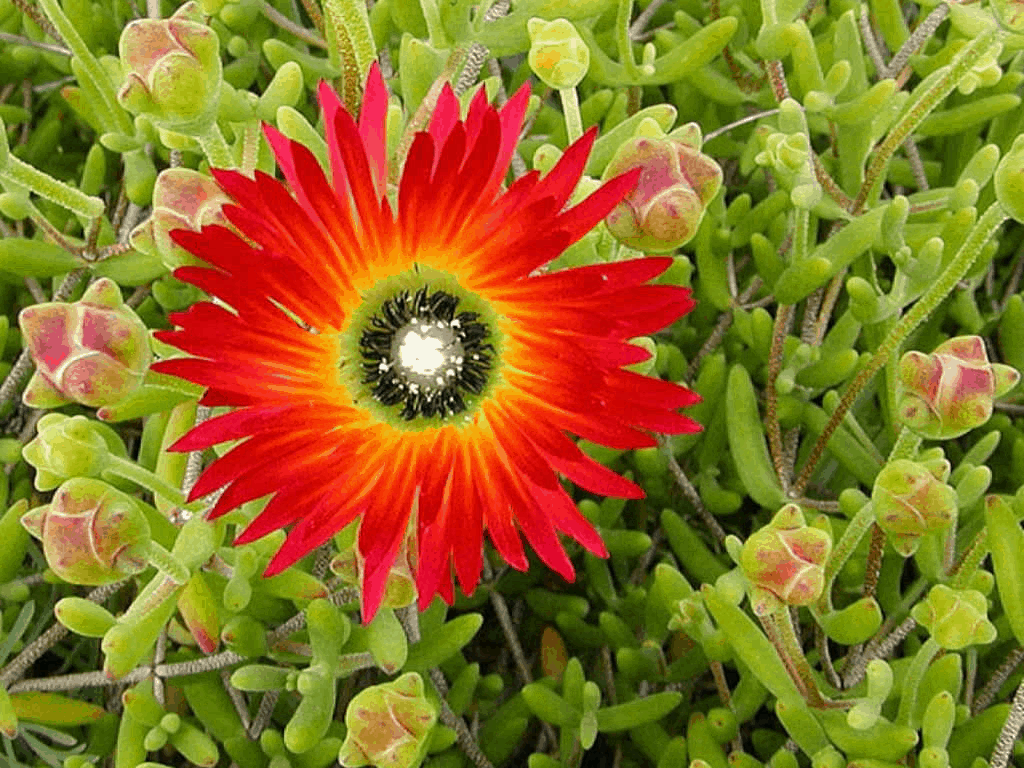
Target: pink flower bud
{"type": "Point", "coordinates": [173, 70]}
{"type": "Point", "coordinates": [911, 499]}
{"type": "Point", "coordinates": [665, 208]}
{"type": "Point", "coordinates": [93, 352]}
{"type": "Point", "coordinates": [182, 199]}
{"type": "Point", "coordinates": [388, 725]}
{"type": "Point", "coordinates": [785, 561]}
{"type": "Point", "coordinates": [949, 392]}
{"type": "Point", "coordinates": [91, 532]}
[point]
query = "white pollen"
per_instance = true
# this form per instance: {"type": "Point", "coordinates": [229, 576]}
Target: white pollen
{"type": "Point", "coordinates": [421, 354]}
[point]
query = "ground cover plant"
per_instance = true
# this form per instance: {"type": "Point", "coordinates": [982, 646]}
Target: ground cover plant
{"type": "Point", "coordinates": [547, 384]}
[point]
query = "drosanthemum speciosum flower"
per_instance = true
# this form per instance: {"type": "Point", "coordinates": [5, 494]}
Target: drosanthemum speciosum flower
{"type": "Point", "coordinates": [386, 363]}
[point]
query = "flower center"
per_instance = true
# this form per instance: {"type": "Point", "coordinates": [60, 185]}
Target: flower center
{"type": "Point", "coordinates": [421, 354]}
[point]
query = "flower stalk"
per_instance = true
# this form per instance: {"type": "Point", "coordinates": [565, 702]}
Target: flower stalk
{"type": "Point", "coordinates": [17, 171]}
{"type": "Point", "coordinates": [980, 234]}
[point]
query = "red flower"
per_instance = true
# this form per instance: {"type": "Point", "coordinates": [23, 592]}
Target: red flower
{"type": "Point", "coordinates": [385, 364]}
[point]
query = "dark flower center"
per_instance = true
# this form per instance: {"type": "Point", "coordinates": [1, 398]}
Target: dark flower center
{"type": "Point", "coordinates": [420, 354]}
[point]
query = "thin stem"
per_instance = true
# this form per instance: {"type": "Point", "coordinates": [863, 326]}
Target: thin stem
{"type": "Point", "coordinates": [465, 738]}
{"type": "Point", "coordinates": [7, 37]}
{"type": "Point", "coordinates": [907, 443]}
{"type": "Point", "coordinates": [114, 118]}
{"type": "Point", "coordinates": [20, 664]}
{"type": "Point", "coordinates": [919, 107]}
{"type": "Point", "coordinates": [922, 32]}
{"type": "Point", "coordinates": [737, 123]}
{"type": "Point", "coordinates": [879, 648]}
{"type": "Point", "coordinates": [1012, 726]}
{"type": "Point", "coordinates": [873, 567]}
{"type": "Point", "coordinates": [690, 491]}
{"type": "Point", "coordinates": [1000, 676]}
{"type": "Point", "coordinates": [912, 682]}
{"type": "Point", "coordinates": [848, 542]}
{"type": "Point", "coordinates": [278, 18]}
{"type": "Point", "coordinates": [351, 46]}
{"type": "Point", "coordinates": [216, 148]}
{"type": "Point", "coordinates": [435, 30]}
{"type": "Point", "coordinates": [795, 653]}
{"type": "Point", "coordinates": [980, 234]}
{"type": "Point", "coordinates": [571, 111]}
{"type": "Point", "coordinates": [129, 470]}
{"type": "Point", "coordinates": [783, 321]}
{"type": "Point", "coordinates": [623, 13]}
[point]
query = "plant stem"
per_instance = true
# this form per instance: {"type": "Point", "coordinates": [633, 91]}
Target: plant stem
{"type": "Point", "coordinates": [980, 234]}
{"type": "Point", "coordinates": [167, 563]}
{"type": "Point", "coordinates": [129, 470]}
{"type": "Point", "coordinates": [350, 45]}
{"type": "Point", "coordinates": [622, 41]}
{"type": "Point", "coordinates": [789, 648]}
{"type": "Point", "coordinates": [435, 30]}
{"type": "Point", "coordinates": [17, 171]}
{"type": "Point", "coordinates": [912, 682]}
{"type": "Point", "coordinates": [920, 106]}
{"type": "Point", "coordinates": [848, 542]}
{"type": "Point", "coordinates": [783, 319]}
{"type": "Point", "coordinates": [906, 445]}
{"type": "Point", "coordinates": [571, 110]}
{"type": "Point", "coordinates": [114, 117]}
{"type": "Point", "coordinates": [216, 148]}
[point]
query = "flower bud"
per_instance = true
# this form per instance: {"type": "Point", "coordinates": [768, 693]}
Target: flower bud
{"type": "Point", "coordinates": [388, 725]}
{"type": "Point", "coordinates": [94, 352]}
{"type": "Point", "coordinates": [91, 532]}
{"type": "Point", "coordinates": [558, 55]}
{"type": "Point", "coordinates": [911, 499]}
{"type": "Point", "coordinates": [173, 71]}
{"type": "Point", "coordinates": [1011, 12]}
{"type": "Point", "coordinates": [400, 587]}
{"type": "Point", "coordinates": [66, 447]}
{"type": "Point", "coordinates": [1009, 180]}
{"type": "Point", "coordinates": [182, 199]}
{"type": "Point", "coordinates": [956, 618]}
{"type": "Point", "coordinates": [667, 204]}
{"type": "Point", "coordinates": [949, 392]}
{"type": "Point", "coordinates": [785, 561]}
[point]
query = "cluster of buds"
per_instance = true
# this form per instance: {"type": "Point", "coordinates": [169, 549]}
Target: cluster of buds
{"type": "Point", "coordinates": [912, 499]}
{"type": "Point", "coordinates": [172, 71]}
{"type": "Point", "coordinates": [950, 392]}
{"type": "Point", "coordinates": [785, 562]}
{"type": "Point", "coordinates": [94, 351]}
{"type": "Point", "coordinates": [676, 184]}
{"type": "Point", "coordinates": [182, 199]}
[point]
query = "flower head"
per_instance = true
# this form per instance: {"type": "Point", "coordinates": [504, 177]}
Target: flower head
{"type": "Point", "coordinates": [94, 352]}
{"type": "Point", "coordinates": [911, 499]}
{"type": "Point", "coordinates": [412, 363]}
{"type": "Point", "coordinates": [172, 70]}
{"type": "Point", "coordinates": [950, 392]}
{"type": "Point", "coordinates": [785, 561]}
{"type": "Point", "coordinates": [181, 198]}
{"type": "Point", "coordinates": [675, 186]}
{"type": "Point", "coordinates": [92, 533]}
